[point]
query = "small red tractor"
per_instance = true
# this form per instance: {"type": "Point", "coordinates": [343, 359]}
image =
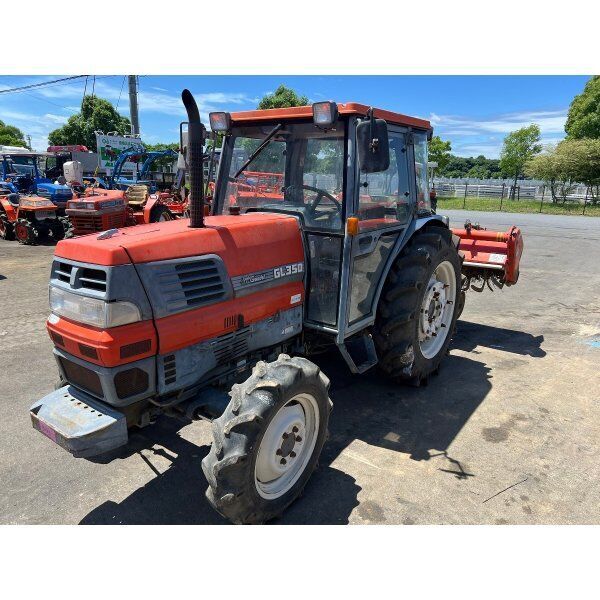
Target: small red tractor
{"type": "Point", "coordinates": [29, 219]}
{"type": "Point", "coordinates": [220, 317]}
{"type": "Point", "coordinates": [100, 210]}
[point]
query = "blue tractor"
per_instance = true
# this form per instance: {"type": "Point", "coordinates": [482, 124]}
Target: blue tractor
{"type": "Point", "coordinates": [19, 172]}
{"type": "Point", "coordinates": [116, 181]}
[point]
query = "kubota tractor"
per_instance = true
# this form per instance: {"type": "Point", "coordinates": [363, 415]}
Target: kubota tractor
{"type": "Point", "coordinates": [218, 317]}
{"type": "Point", "coordinates": [99, 209]}
{"type": "Point", "coordinates": [29, 219]}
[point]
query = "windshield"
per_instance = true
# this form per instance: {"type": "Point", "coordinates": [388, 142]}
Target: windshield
{"type": "Point", "coordinates": [299, 171]}
{"type": "Point", "coordinates": [21, 165]}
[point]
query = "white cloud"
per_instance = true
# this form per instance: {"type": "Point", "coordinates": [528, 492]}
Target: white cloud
{"type": "Point", "coordinates": [549, 121]}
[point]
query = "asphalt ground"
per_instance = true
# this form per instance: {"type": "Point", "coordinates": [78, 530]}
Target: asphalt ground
{"type": "Point", "coordinates": [506, 433]}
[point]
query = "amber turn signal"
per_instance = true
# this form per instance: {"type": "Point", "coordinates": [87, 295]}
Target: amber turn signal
{"type": "Point", "coordinates": [352, 225]}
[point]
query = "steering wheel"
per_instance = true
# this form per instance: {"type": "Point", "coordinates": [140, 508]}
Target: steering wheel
{"type": "Point", "coordinates": [320, 195]}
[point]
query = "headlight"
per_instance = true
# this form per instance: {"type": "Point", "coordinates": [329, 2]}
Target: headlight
{"type": "Point", "coordinates": [91, 310]}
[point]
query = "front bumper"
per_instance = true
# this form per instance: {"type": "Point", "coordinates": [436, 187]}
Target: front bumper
{"type": "Point", "coordinates": [79, 423]}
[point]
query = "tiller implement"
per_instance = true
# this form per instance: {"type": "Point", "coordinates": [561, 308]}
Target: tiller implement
{"type": "Point", "coordinates": [220, 316]}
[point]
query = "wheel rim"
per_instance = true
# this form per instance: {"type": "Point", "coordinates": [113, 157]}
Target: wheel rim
{"type": "Point", "coordinates": [286, 446]}
{"type": "Point", "coordinates": [21, 231]}
{"type": "Point", "coordinates": [437, 309]}
{"type": "Point", "coordinates": [2, 229]}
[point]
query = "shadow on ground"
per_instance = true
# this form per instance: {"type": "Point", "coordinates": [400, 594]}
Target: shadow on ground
{"type": "Point", "coordinates": [421, 422]}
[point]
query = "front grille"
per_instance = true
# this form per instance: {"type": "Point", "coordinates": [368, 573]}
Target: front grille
{"type": "Point", "coordinates": [85, 277]}
{"type": "Point", "coordinates": [136, 348]}
{"type": "Point", "coordinates": [200, 281]}
{"type": "Point", "coordinates": [131, 382]}
{"type": "Point", "coordinates": [92, 279]}
{"type": "Point", "coordinates": [63, 271]}
{"type": "Point", "coordinates": [57, 338]}
{"type": "Point", "coordinates": [91, 223]}
{"type": "Point", "coordinates": [81, 377]}
{"type": "Point", "coordinates": [232, 345]}
{"type": "Point", "coordinates": [170, 369]}
{"type": "Point", "coordinates": [88, 351]}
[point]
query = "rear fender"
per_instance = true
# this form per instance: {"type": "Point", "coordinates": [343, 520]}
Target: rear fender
{"type": "Point", "coordinates": [150, 204]}
{"type": "Point", "coordinates": [9, 209]}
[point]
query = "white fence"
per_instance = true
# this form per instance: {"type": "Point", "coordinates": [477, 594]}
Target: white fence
{"type": "Point", "coordinates": [525, 190]}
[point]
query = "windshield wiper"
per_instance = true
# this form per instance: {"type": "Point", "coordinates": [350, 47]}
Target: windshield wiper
{"type": "Point", "coordinates": [259, 149]}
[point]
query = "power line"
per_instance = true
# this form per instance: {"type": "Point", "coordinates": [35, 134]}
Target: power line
{"type": "Point", "coordinates": [41, 84]}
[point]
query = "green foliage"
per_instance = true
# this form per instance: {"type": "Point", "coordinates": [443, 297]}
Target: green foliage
{"type": "Point", "coordinates": [167, 161]}
{"type": "Point", "coordinates": [439, 152]}
{"type": "Point", "coordinates": [569, 162]}
{"type": "Point", "coordinates": [283, 97]}
{"type": "Point", "coordinates": [519, 147]}
{"type": "Point", "coordinates": [11, 136]}
{"type": "Point", "coordinates": [96, 115]}
{"type": "Point", "coordinates": [583, 120]}
{"type": "Point", "coordinates": [460, 167]}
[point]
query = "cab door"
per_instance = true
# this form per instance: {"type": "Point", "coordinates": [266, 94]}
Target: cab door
{"type": "Point", "coordinates": [385, 206]}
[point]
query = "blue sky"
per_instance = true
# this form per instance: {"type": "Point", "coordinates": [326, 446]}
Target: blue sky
{"type": "Point", "coordinates": [473, 112]}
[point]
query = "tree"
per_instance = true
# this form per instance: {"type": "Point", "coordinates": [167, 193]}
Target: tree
{"type": "Point", "coordinates": [554, 168]}
{"type": "Point", "coordinates": [583, 157]}
{"type": "Point", "coordinates": [583, 120]}
{"type": "Point", "coordinates": [519, 147]}
{"type": "Point", "coordinates": [166, 161]}
{"type": "Point", "coordinates": [439, 152]}
{"type": "Point", "coordinates": [96, 114]}
{"type": "Point", "coordinates": [271, 159]}
{"type": "Point", "coordinates": [11, 136]}
{"type": "Point", "coordinates": [282, 97]}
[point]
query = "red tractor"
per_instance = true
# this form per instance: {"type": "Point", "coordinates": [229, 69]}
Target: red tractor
{"type": "Point", "coordinates": [100, 210]}
{"type": "Point", "coordinates": [220, 317]}
{"type": "Point", "coordinates": [29, 219]}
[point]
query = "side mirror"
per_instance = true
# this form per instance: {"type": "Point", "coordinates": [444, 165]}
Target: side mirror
{"type": "Point", "coordinates": [373, 145]}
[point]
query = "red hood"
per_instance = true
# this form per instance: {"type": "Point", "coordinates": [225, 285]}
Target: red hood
{"type": "Point", "coordinates": [247, 243]}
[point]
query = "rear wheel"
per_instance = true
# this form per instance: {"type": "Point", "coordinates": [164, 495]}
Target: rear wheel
{"type": "Point", "coordinates": [419, 306]}
{"type": "Point", "coordinates": [6, 228]}
{"type": "Point", "coordinates": [267, 442]}
{"type": "Point", "coordinates": [24, 232]}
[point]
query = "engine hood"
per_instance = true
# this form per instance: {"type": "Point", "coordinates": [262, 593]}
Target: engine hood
{"type": "Point", "coordinates": [246, 243]}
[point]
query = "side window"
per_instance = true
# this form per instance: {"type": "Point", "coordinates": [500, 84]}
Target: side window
{"type": "Point", "coordinates": [384, 198]}
{"type": "Point", "coordinates": [423, 201]}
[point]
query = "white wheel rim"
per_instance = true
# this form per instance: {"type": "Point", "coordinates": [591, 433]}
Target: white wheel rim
{"type": "Point", "coordinates": [437, 309]}
{"type": "Point", "coordinates": [287, 446]}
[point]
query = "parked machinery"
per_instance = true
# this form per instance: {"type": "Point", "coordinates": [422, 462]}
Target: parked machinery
{"type": "Point", "coordinates": [28, 219]}
{"type": "Point", "coordinates": [219, 317]}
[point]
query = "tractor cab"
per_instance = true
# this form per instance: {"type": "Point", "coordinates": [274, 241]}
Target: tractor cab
{"type": "Point", "coordinates": [357, 185]}
{"type": "Point", "coordinates": [20, 170]}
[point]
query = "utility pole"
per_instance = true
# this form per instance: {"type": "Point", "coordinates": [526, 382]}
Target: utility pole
{"type": "Point", "coordinates": [133, 104]}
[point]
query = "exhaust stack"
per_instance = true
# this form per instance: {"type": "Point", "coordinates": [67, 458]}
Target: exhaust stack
{"type": "Point", "coordinates": [194, 160]}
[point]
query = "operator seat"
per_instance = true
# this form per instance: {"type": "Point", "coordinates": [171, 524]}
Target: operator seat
{"type": "Point", "coordinates": [137, 195]}
{"type": "Point", "coordinates": [13, 199]}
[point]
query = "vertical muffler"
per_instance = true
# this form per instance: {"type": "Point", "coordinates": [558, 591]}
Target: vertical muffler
{"type": "Point", "coordinates": [194, 159]}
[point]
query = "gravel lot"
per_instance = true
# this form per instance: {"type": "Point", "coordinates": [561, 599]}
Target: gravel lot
{"type": "Point", "coordinates": [507, 433]}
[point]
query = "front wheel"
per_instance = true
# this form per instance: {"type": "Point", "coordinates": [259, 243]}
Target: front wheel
{"type": "Point", "coordinates": [25, 232]}
{"type": "Point", "coordinates": [419, 306]}
{"type": "Point", "coordinates": [267, 442]}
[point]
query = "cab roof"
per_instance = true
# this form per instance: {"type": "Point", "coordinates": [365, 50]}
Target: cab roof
{"type": "Point", "coordinates": [348, 108]}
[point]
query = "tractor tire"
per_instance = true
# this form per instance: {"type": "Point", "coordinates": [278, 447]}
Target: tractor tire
{"type": "Point", "coordinates": [418, 308]}
{"type": "Point", "coordinates": [160, 213]}
{"type": "Point", "coordinates": [267, 442]}
{"type": "Point", "coordinates": [67, 227]}
{"type": "Point", "coordinates": [58, 231]}
{"type": "Point", "coordinates": [24, 232]}
{"type": "Point", "coordinates": [7, 231]}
